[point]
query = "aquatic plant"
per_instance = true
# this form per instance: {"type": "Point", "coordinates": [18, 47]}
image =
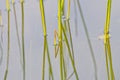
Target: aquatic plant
{"type": "Point", "coordinates": [23, 43]}
{"type": "Point", "coordinates": [62, 26]}
{"type": "Point", "coordinates": [17, 32]}
{"type": "Point", "coordinates": [8, 35]}
{"type": "Point", "coordinates": [45, 49]}
{"type": "Point", "coordinates": [88, 39]}
{"type": "Point", "coordinates": [107, 47]}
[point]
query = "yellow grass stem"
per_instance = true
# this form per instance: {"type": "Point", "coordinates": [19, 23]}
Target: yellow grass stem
{"type": "Point", "coordinates": [59, 21]}
{"type": "Point", "coordinates": [109, 66]}
{"type": "Point", "coordinates": [23, 45]}
{"type": "Point", "coordinates": [68, 24]}
{"type": "Point", "coordinates": [107, 23]}
{"type": "Point", "coordinates": [61, 60]}
{"type": "Point", "coordinates": [70, 54]}
{"type": "Point", "coordinates": [62, 6]}
{"type": "Point", "coordinates": [68, 11]}
{"type": "Point", "coordinates": [60, 37]}
{"type": "Point", "coordinates": [21, 1]}
{"type": "Point", "coordinates": [8, 33]}
{"type": "Point", "coordinates": [43, 66]}
{"type": "Point", "coordinates": [108, 13]}
{"type": "Point", "coordinates": [69, 30]}
{"type": "Point", "coordinates": [7, 5]}
{"type": "Point", "coordinates": [88, 38]}
{"type": "Point", "coordinates": [45, 45]}
{"type": "Point", "coordinates": [56, 52]}
{"type": "Point", "coordinates": [43, 17]}
{"type": "Point", "coordinates": [13, 1]}
{"type": "Point", "coordinates": [49, 62]}
{"type": "Point", "coordinates": [64, 69]}
{"type": "Point", "coordinates": [63, 72]}
{"type": "Point", "coordinates": [44, 32]}
{"type": "Point", "coordinates": [110, 59]}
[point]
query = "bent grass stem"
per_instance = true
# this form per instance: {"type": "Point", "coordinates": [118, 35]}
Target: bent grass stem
{"type": "Point", "coordinates": [17, 32]}
{"type": "Point", "coordinates": [88, 39]}
{"type": "Point", "coordinates": [8, 35]}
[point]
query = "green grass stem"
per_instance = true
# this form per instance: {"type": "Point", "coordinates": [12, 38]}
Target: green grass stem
{"type": "Point", "coordinates": [23, 45]}
{"type": "Point", "coordinates": [88, 39]}
{"type": "Point", "coordinates": [45, 44]}
{"type": "Point", "coordinates": [109, 66]}
{"type": "Point", "coordinates": [8, 48]}
{"type": "Point", "coordinates": [70, 54]}
{"type": "Point", "coordinates": [17, 32]}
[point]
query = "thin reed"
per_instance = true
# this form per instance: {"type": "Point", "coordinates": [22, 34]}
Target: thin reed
{"type": "Point", "coordinates": [23, 43]}
{"type": "Point", "coordinates": [17, 31]}
{"type": "Point", "coordinates": [8, 35]}
{"type": "Point", "coordinates": [62, 26]}
{"type": "Point", "coordinates": [88, 39]}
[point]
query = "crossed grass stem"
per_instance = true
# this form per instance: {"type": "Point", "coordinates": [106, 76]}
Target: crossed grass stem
{"type": "Point", "coordinates": [67, 26]}
{"type": "Point", "coordinates": [107, 47]}
{"type": "Point", "coordinates": [60, 32]}
{"type": "Point", "coordinates": [45, 50]}
{"type": "Point", "coordinates": [62, 69]}
{"type": "Point", "coordinates": [46, 53]}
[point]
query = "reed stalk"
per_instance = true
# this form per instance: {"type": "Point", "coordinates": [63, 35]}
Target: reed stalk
{"type": "Point", "coordinates": [88, 39]}
{"type": "Point", "coordinates": [70, 54]}
{"type": "Point", "coordinates": [107, 47]}
{"type": "Point", "coordinates": [23, 43]}
{"type": "Point", "coordinates": [69, 32]}
{"type": "Point", "coordinates": [17, 32]}
{"type": "Point", "coordinates": [8, 35]}
{"type": "Point", "coordinates": [45, 50]}
{"type": "Point", "coordinates": [60, 38]}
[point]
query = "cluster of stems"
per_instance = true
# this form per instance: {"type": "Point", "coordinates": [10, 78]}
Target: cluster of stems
{"type": "Point", "coordinates": [64, 37]}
